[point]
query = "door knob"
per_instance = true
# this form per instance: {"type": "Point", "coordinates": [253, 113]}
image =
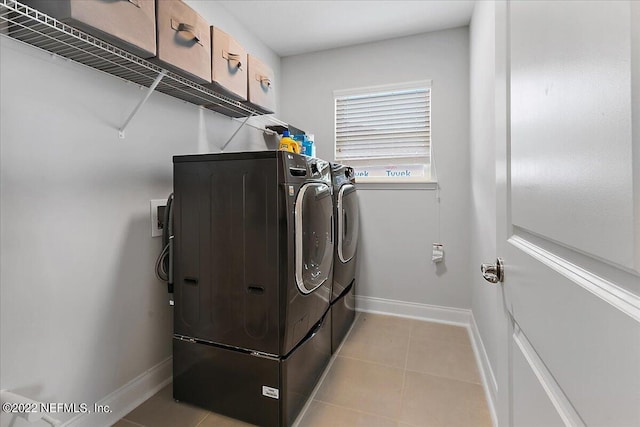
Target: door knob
{"type": "Point", "coordinates": [493, 273]}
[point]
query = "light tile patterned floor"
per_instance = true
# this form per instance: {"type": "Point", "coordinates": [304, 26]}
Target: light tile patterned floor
{"type": "Point", "coordinates": [390, 372]}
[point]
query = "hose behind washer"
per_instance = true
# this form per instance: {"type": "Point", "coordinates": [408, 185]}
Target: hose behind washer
{"type": "Point", "coordinates": [164, 262]}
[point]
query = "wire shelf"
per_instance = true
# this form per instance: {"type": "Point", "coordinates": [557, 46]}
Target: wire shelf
{"type": "Point", "coordinates": [32, 27]}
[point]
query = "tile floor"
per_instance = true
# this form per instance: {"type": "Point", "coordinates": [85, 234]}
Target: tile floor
{"type": "Point", "coordinates": [390, 371]}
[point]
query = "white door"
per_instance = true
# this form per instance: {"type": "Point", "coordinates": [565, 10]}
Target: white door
{"type": "Point", "coordinates": [568, 191]}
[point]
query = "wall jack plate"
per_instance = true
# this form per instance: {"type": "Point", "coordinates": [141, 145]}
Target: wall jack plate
{"type": "Point", "coordinates": [157, 210]}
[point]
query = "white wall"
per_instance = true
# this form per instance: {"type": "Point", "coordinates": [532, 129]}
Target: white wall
{"type": "Point", "coordinates": [399, 226]}
{"type": "Point", "coordinates": [81, 313]}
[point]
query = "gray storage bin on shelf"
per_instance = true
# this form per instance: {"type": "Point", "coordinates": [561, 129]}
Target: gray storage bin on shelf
{"type": "Point", "coordinates": [184, 40]}
{"type": "Point", "coordinates": [261, 94]}
{"type": "Point", "coordinates": [228, 65]}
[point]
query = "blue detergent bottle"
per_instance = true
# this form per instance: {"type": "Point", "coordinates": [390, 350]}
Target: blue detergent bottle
{"type": "Point", "coordinates": [305, 144]}
{"type": "Point", "coordinates": [307, 147]}
{"type": "Point", "coordinates": [312, 147]}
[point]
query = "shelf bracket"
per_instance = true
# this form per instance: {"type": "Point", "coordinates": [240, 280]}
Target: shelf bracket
{"type": "Point", "coordinates": [141, 103]}
{"type": "Point", "coordinates": [236, 132]}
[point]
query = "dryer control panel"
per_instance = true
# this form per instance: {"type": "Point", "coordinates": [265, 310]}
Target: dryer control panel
{"type": "Point", "coordinates": [341, 175]}
{"type": "Point", "coordinates": [303, 168]}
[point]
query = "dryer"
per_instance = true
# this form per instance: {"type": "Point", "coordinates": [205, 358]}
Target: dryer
{"type": "Point", "coordinates": [254, 245]}
{"type": "Point", "coordinates": [345, 252]}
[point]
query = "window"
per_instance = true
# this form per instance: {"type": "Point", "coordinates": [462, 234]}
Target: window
{"type": "Point", "coordinates": [384, 132]}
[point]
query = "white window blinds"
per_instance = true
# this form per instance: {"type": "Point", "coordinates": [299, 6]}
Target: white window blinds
{"type": "Point", "coordinates": [383, 126]}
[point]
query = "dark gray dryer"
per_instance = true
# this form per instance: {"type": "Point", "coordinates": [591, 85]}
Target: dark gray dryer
{"type": "Point", "coordinates": [344, 269]}
{"type": "Point", "coordinates": [253, 266]}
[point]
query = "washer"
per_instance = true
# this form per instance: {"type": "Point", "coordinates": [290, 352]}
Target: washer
{"type": "Point", "coordinates": [345, 254]}
{"type": "Point", "coordinates": [254, 245]}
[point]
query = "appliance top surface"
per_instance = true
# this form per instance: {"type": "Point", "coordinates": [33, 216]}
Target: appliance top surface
{"type": "Point", "coordinates": [211, 157]}
{"type": "Point", "coordinates": [246, 155]}
{"type": "Point", "coordinates": [316, 169]}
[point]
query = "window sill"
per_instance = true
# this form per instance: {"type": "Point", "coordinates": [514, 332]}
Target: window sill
{"type": "Point", "coordinates": [396, 185]}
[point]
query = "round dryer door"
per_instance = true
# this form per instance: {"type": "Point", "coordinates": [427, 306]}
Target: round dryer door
{"type": "Point", "coordinates": [347, 222]}
{"type": "Point", "coordinates": [314, 236]}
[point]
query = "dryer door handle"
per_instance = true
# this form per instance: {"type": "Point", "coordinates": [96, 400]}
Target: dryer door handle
{"type": "Point", "coordinates": [342, 220]}
{"type": "Point", "coordinates": [312, 246]}
{"type": "Point", "coordinates": [344, 216]}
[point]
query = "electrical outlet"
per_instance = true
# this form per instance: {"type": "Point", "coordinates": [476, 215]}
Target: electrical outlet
{"type": "Point", "coordinates": [161, 217]}
{"type": "Point", "coordinates": [437, 253]}
{"type": "Point", "coordinates": [157, 211]}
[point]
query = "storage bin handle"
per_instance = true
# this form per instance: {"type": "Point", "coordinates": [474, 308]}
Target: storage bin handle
{"type": "Point", "coordinates": [232, 57]}
{"type": "Point", "coordinates": [188, 29]}
{"type": "Point", "coordinates": [264, 81]}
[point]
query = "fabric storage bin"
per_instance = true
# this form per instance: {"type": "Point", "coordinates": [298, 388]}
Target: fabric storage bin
{"type": "Point", "coordinates": [261, 95]}
{"type": "Point", "coordinates": [130, 25]}
{"type": "Point", "coordinates": [184, 40]}
{"type": "Point", "coordinates": [228, 65]}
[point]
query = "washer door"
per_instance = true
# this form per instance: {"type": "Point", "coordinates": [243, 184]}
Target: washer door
{"type": "Point", "coordinates": [347, 222]}
{"type": "Point", "coordinates": [314, 236]}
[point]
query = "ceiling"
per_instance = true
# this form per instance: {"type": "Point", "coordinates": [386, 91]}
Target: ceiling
{"type": "Point", "coordinates": [292, 27]}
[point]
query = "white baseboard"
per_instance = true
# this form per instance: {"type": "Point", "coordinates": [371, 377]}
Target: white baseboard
{"type": "Point", "coordinates": [433, 313]}
{"type": "Point", "coordinates": [489, 381]}
{"type": "Point", "coordinates": [449, 315]}
{"type": "Point", "coordinates": [128, 397]}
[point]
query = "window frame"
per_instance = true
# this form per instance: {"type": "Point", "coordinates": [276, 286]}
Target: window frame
{"type": "Point", "coordinates": [379, 182]}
